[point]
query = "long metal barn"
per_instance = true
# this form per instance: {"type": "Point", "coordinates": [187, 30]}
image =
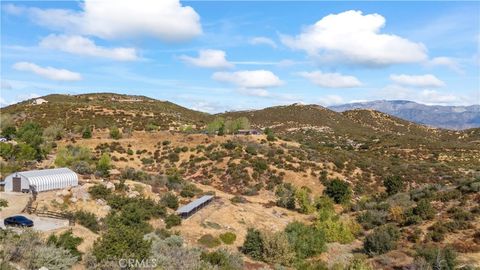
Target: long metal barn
{"type": "Point", "coordinates": [191, 208]}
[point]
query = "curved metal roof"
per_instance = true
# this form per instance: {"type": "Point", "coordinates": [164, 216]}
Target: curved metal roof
{"type": "Point", "coordinates": [50, 178]}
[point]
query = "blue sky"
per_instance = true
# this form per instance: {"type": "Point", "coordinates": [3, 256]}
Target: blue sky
{"type": "Point", "coordinates": [217, 56]}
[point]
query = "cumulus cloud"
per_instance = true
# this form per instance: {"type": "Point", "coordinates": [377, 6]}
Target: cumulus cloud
{"type": "Point", "coordinates": [447, 62]}
{"type": "Point", "coordinates": [263, 41]}
{"type": "Point", "coordinates": [330, 100]}
{"type": "Point", "coordinates": [208, 59]}
{"type": "Point", "coordinates": [48, 72]}
{"type": "Point", "coordinates": [83, 46]}
{"type": "Point", "coordinates": [355, 38]}
{"type": "Point", "coordinates": [166, 19]}
{"type": "Point", "coordinates": [331, 80]}
{"type": "Point", "coordinates": [249, 78]}
{"type": "Point", "coordinates": [425, 96]}
{"type": "Point", "coordinates": [427, 80]}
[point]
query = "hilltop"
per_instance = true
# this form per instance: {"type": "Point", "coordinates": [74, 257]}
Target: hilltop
{"type": "Point", "coordinates": [451, 117]}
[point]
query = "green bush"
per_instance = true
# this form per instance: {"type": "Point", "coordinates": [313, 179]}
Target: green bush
{"type": "Point", "coordinates": [424, 209]}
{"type": "Point", "coordinates": [437, 257]}
{"type": "Point", "coordinates": [99, 191]}
{"type": "Point", "coordinates": [276, 248]}
{"type": "Point", "coordinates": [172, 220]}
{"type": "Point", "coordinates": [87, 132]}
{"type": "Point", "coordinates": [339, 191]}
{"type": "Point", "coordinates": [209, 241]}
{"type": "Point", "coordinates": [285, 194]}
{"type": "Point", "coordinates": [3, 203]}
{"type": "Point", "coordinates": [67, 241]}
{"type": "Point", "coordinates": [307, 241]}
{"type": "Point", "coordinates": [253, 244]}
{"type": "Point", "coordinates": [372, 218]}
{"type": "Point", "coordinates": [104, 165]}
{"type": "Point", "coordinates": [170, 200]}
{"type": "Point", "coordinates": [115, 133]}
{"type": "Point", "coordinates": [393, 184]}
{"type": "Point", "coordinates": [228, 238]}
{"type": "Point", "coordinates": [381, 240]}
{"type": "Point", "coordinates": [88, 220]}
{"type": "Point", "coordinates": [223, 259]}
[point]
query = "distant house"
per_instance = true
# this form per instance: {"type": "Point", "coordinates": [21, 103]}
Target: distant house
{"type": "Point", "coordinates": [191, 208]}
{"type": "Point", "coordinates": [39, 101]}
{"type": "Point", "coordinates": [248, 132]}
{"type": "Point", "coordinates": [41, 180]}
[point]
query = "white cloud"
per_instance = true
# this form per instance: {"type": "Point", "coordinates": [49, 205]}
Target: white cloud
{"type": "Point", "coordinates": [165, 19]}
{"type": "Point", "coordinates": [435, 97]}
{"type": "Point", "coordinates": [208, 59]}
{"type": "Point", "coordinates": [448, 62]}
{"type": "Point", "coordinates": [84, 46]}
{"type": "Point", "coordinates": [249, 78]}
{"type": "Point", "coordinates": [331, 80]}
{"type": "Point", "coordinates": [355, 38]}
{"type": "Point", "coordinates": [48, 72]}
{"type": "Point", "coordinates": [330, 100]}
{"type": "Point", "coordinates": [427, 80]}
{"type": "Point", "coordinates": [425, 96]}
{"type": "Point", "coordinates": [263, 41]}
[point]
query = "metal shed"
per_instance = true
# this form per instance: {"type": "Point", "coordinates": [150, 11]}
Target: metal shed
{"type": "Point", "coordinates": [41, 180]}
{"type": "Point", "coordinates": [191, 208]}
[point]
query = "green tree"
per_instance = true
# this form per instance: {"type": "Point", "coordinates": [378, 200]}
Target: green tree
{"type": "Point", "coordinates": [393, 184]}
{"type": "Point", "coordinates": [304, 201]}
{"type": "Point", "coordinates": [104, 164]}
{"type": "Point", "coordinates": [67, 241]}
{"type": "Point", "coordinates": [276, 248]}
{"type": "Point", "coordinates": [25, 152]}
{"type": "Point", "coordinates": [9, 132]}
{"type": "Point", "coordinates": [170, 200]}
{"type": "Point", "coordinates": [32, 134]}
{"type": "Point", "coordinates": [338, 190]}
{"type": "Point", "coordinates": [214, 126]}
{"type": "Point", "coordinates": [172, 220]}
{"type": "Point", "coordinates": [54, 132]}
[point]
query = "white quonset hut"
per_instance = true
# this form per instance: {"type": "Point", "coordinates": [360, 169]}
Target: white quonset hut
{"type": "Point", "coordinates": [41, 180]}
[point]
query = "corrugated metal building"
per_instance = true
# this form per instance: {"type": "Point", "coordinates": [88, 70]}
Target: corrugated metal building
{"type": "Point", "coordinates": [41, 180]}
{"type": "Point", "coordinates": [191, 208]}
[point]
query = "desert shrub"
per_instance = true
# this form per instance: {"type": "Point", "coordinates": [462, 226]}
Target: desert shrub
{"type": "Point", "coordinates": [381, 240]}
{"type": "Point", "coordinates": [437, 257]}
{"type": "Point", "coordinates": [9, 132]}
{"type": "Point", "coordinates": [67, 241]}
{"type": "Point", "coordinates": [54, 132]}
{"type": "Point", "coordinates": [172, 220]}
{"type": "Point", "coordinates": [209, 241]}
{"type": "Point", "coordinates": [304, 201]}
{"type": "Point", "coordinates": [253, 244]}
{"type": "Point", "coordinates": [87, 220]}
{"type": "Point", "coordinates": [29, 250]}
{"type": "Point", "coordinates": [372, 218]}
{"type": "Point", "coordinates": [251, 149]}
{"type": "Point", "coordinates": [115, 133]}
{"type": "Point", "coordinates": [170, 200]}
{"type": "Point", "coordinates": [173, 157]}
{"type": "Point", "coordinates": [120, 241]}
{"type": "Point", "coordinates": [3, 203]}
{"type": "Point", "coordinates": [424, 209]}
{"type": "Point", "coordinates": [306, 240]}
{"type": "Point", "coordinates": [338, 190]}
{"type": "Point", "coordinates": [171, 254]}
{"type": "Point", "coordinates": [229, 145]}
{"type": "Point", "coordinates": [223, 259]}
{"type": "Point", "coordinates": [393, 184]}
{"type": "Point", "coordinates": [87, 132]}
{"type": "Point", "coordinates": [104, 165]}
{"type": "Point", "coordinates": [285, 194]}
{"type": "Point", "coordinates": [189, 191]}
{"type": "Point", "coordinates": [99, 191]}
{"type": "Point", "coordinates": [228, 237]}
{"type": "Point", "coordinates": [276, 248]}
{"type": "Point", "coordinates": [238, 199]}
{"type": "Point", "coordinates": [71, 155]}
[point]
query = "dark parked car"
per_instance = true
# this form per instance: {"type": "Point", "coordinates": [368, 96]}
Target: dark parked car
{"type": "Point", "coordinates": [20, 221]}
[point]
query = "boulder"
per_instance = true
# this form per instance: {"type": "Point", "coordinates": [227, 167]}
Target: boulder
{"type": "Point", "coordinates": [110, 185]}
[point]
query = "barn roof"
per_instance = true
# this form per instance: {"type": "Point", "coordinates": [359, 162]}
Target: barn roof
{"type": "Point", "coordinates": [189, 207]}
{"type": "Point", "coordinates": [46, 172]}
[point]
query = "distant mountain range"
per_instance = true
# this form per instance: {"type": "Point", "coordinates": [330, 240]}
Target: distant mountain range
{"type": "Point", "coordinates": [449, 117]}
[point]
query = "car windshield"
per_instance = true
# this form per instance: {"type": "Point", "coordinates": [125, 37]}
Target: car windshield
{"type": "Point", "coordinates": [21, 218]}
